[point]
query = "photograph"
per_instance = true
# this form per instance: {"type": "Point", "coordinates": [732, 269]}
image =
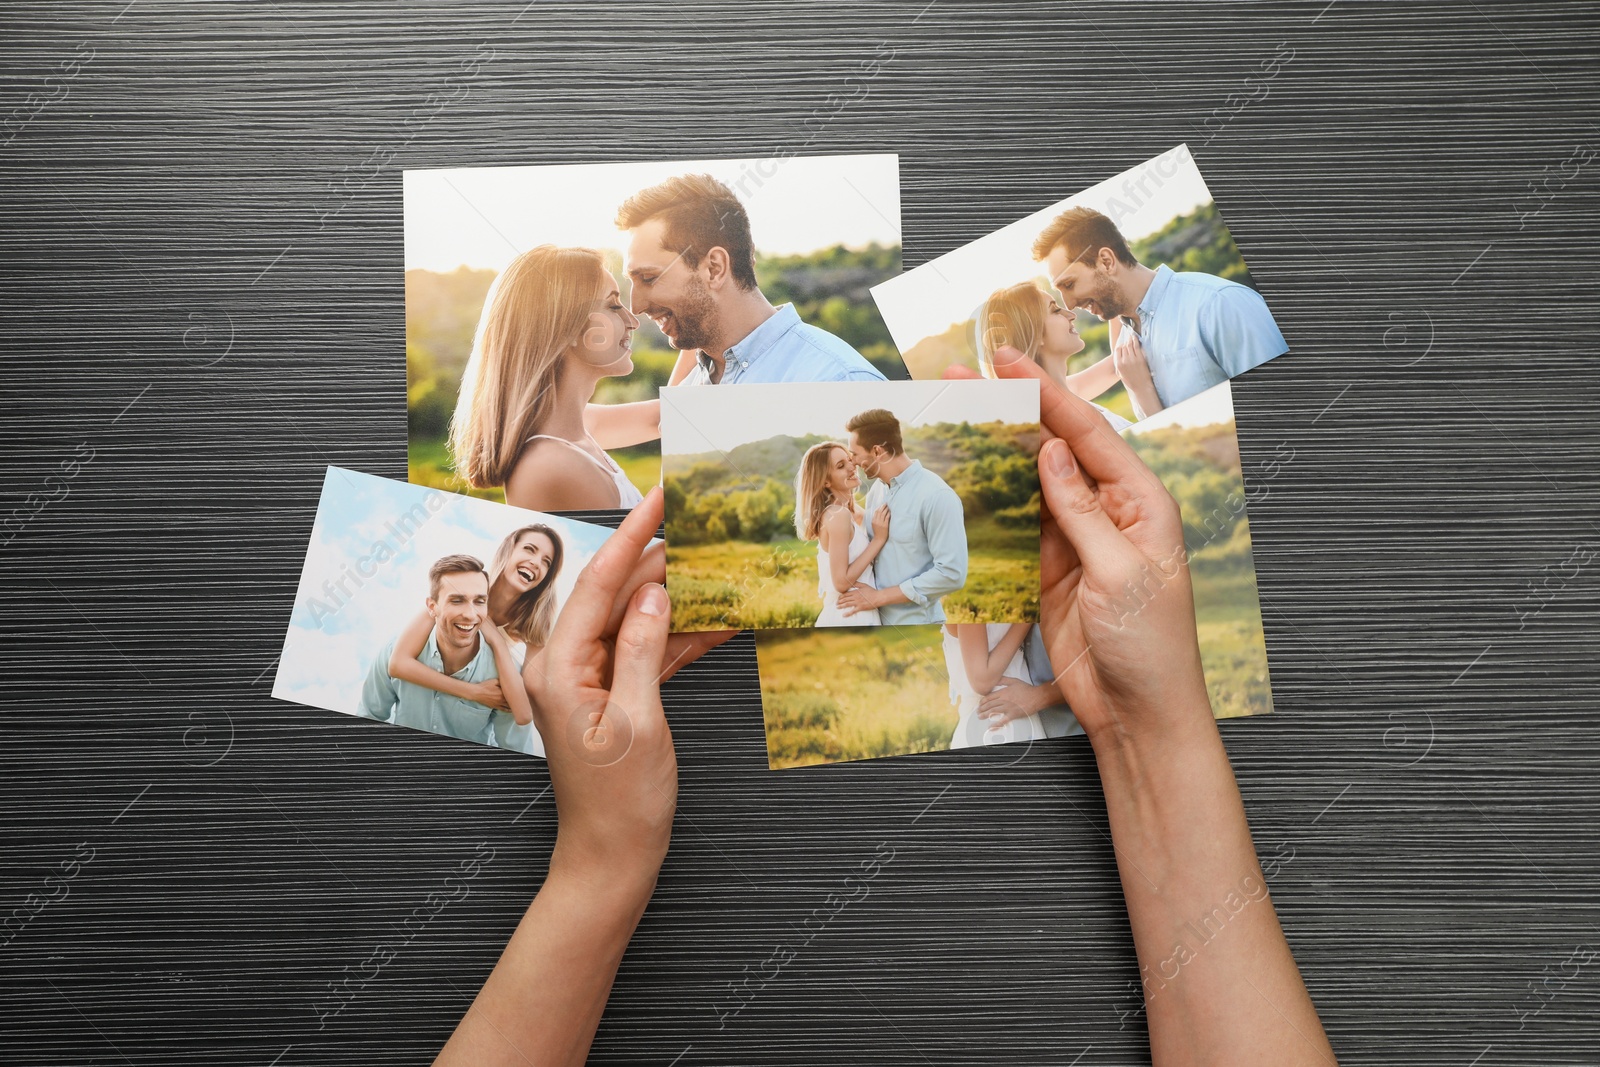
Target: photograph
{"type": "Point", "coordinates": [1131, 294]}
{"type": "Point", "coordinates": [827, 697]}
{"type": "Point", "coordinates": [418, 607]}
{"type": "Point", "coordinates": [851, 504]}
{"type": "Point", "coordinates": [547, 306]}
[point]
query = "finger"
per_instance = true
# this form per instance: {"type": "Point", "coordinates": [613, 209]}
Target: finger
{"type": "Point", "coordinates": [640, 650]}
{"type": "Point", "coordinates": [684, 649]}
{"type": "Point", "coordinates": [1056, 557]}
{"type": "Point", "coordinates": [583, 618]}
{"type": "Point", "coordinates": [1076, 510]}
{"type": "Point", "coordinates": [1101, 450]}
{"type": "Point", "coordinates": [957, 372]}
{"type": "Point", "coordinates": [651, 567]}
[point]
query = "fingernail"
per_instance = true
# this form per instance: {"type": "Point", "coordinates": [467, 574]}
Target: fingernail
{"type": "Point", "coordinates": [1058, 458]}
{"type": "Point", "coordinates": [652, 600]}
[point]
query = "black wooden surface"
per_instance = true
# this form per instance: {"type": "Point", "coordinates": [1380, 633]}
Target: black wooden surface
{"type": "Point", "coordinates": [202, 289]}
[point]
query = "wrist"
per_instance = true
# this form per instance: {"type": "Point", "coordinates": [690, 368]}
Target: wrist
{"type": "Point", "coordinates": [1135, 738]}
{"type": "Point", "coordinates": [612, 879]}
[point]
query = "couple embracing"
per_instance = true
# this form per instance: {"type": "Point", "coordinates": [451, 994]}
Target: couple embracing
{"type": "Point", "coordinates": [555, 324]}
{"type": "Point", "coordinates": [891, 560]}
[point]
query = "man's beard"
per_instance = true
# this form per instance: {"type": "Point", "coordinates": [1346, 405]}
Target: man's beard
{"type": "Point", "coordinates": [1107, 299]}
{"type": "Point", "coordinates": [695, 318]}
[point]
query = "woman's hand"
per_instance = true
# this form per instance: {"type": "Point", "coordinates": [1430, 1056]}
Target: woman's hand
{"type": "Point", "coordinates": [597, 690]}
{"type": "Point", "coordinates": [880, 522]}
{"type": "Point", "coordinates": [1117, 611]}
{"type": "Point", "coordinates": [489, 694]}
{"type": "Point", "coordinates": [682, 649]}
{"type": "Point", "coordinates": [597, 704]}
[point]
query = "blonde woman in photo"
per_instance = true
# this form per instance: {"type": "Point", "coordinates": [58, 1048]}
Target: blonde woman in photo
{"type": "Point", "coordinates": [522, 610]}
{"type": "Point", "coordinates": [554, 324]}
{"type": "Point", "coordinates": [825, 511]}
{"type": "Point", "coordinates": [1034, 322]}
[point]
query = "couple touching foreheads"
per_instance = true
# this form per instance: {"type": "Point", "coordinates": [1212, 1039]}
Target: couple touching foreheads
{"type": "Point", "coordinates": [555, 323]}
{"type": "Point", "coordinates": [892, 559]}
{"type": "Point", "coordinates": [1174, 334]}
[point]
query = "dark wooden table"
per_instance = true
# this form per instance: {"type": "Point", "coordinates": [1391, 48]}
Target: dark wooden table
{"type": "Point", "coordinates": [203, 308]}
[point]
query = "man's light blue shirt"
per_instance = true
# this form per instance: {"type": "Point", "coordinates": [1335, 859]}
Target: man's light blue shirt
{"type": "Point", "coordinates": [784, 349]}
{"type": "Point", "coordinates": [926, 554]}
{"type": "Point", "coordinates": [1199, 330]}
{"type": "Point", "coordinates": [387, 698]}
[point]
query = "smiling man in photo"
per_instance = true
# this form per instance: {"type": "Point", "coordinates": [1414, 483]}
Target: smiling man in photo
{"type": "Point", "coordinates": [925, 557]}
{"type": "Point", "coordinates": [458, 600]}
{"type": "Point", "coordinates": [1197, 330]}
{"type": "Point", "coordinates": [692, 261]}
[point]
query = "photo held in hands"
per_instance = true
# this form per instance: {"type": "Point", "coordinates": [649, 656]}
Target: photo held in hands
{"type": "Point", "coordinates": [851, 504]}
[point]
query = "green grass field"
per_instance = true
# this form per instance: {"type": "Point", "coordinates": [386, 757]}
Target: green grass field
{"type": "Point", "coordinates": [1233, 647]}
{"type": "Point", "coordinates": [428, 463]}
{"type": "Point", "coordinates": [745, 585]}
{"type": "Point", "coordinates": [831, 695]}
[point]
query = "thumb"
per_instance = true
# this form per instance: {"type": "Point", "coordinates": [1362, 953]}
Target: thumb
{"type": "Point", "coordinates": [641, 647]}
{"type": "Point", "coordinates": [1076, 510]}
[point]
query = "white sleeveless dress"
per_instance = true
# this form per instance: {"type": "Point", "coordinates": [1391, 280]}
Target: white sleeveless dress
{"type": "Point", "coordinates": [628, 494]}
{"type": "Point", "coordinates": [970, 730]}
{"type": "Point", "coordinates": [832, 615]}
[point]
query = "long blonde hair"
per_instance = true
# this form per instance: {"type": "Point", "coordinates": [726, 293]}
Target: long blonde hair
{"type": "Point", "coordinates": [812, 497]}
{"type": "Point", "coordinates": [536, 309]}
{"type": "Point", "coordinates": [534, 612]}
{"type": "Point", "coordinates": [1011, 316]}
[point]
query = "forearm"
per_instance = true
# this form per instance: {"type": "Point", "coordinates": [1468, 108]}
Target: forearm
{"type": "Point", "coordinates": [1093, 380]}
{"type": "Point", "coordinates": [511, 686]}
{"type": "Point", "coordinates": [858, 566]}
{"type": "Point", "coordinates": [416, 672]}
{"type": "Point", "coordinates": [985, 666]}
{"type": "Point", "coordinates": [1221, 986]}
{"type": "Point", "coordinates": [940, 580]}
{"type": "Point", "coordinates": [621, 425]}
{"type": "Point", "coordinates": [543, 1001]}
{"type": "Point", "coordinates": [1144, 398]}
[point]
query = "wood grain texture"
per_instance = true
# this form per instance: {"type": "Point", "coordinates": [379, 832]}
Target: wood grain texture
{"type": "Point", "coordinates": [202, 290]}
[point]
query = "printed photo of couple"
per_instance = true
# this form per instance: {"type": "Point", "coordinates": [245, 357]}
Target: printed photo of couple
{"type": "Point", "coordinates": [419, 608]}
{"type": "Point", "coordinates": [547, 306]}
{"type": "Point", "coordinates": [851, 504]}
{"type": "Point", "coordinates": [1131, 295]}
{"type": "Point", "coordinates": [909, 689]}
